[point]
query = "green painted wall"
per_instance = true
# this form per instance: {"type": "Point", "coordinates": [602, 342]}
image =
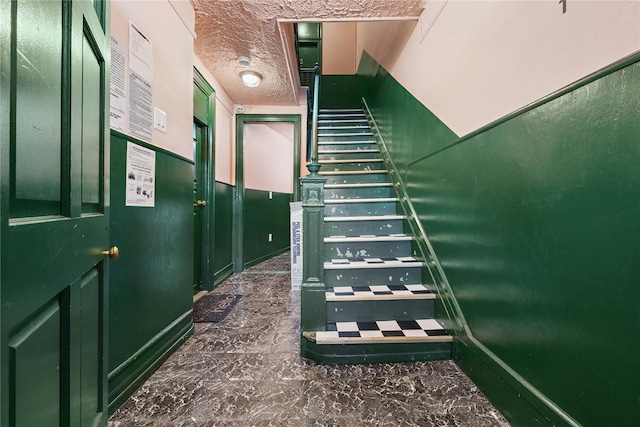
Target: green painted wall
{"type": "Point", "coordinates": [409, 129]}
{"type": "Point", "coordinates": [261, 217]}
{"type": "Point", "coordinates": [338, 91]}
{"type": "Point", "coordinates": [150, 294]}
{"type": "Point", "coordinates": [536, 225]}
{"type": "Point", "coordinates": [223, 232]}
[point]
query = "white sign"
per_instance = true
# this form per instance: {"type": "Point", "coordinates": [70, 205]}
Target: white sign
{"type": "Point", "coordinates": [141, 176]}
{"type": "Point", "coordinates": [118, 67]}
{"type": "Point", "coordinates": [140, 81]}
{"type": "Point", "coordinates": [140, 53]}
{"type": "Point", "coordinates": [118, 99]}
{"type": "Point", "coordinates": [296, 245]}
{"type": "Point", "coordinates": [140, 107]}
{"type": "Point", "coordinates": [116, 120]}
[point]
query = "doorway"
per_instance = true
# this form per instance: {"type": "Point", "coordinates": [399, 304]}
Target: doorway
{"type": "Point", "coordinates": [203, 183]}
{"type": "Point", "coordinates": [200, 151]}
{"type": "Point", "coordinates": [265, 167]}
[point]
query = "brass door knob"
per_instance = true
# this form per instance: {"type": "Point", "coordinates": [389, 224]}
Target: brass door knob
{"type": "Point", "coordinates": [199, 203]}
{"type": "Point", "coordinates": [112, 253]}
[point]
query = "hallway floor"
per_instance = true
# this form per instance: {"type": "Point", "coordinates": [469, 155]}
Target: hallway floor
{"type": "Point", "coordinates": [246, 371]}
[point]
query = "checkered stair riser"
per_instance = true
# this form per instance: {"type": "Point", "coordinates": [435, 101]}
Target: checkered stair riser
{"type": "Point", "coordinates": [378, 292]}
{"type": "Point", "coordinates": [420, 330]}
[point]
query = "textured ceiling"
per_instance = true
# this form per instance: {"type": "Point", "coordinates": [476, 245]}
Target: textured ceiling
{"type": "Point", "coordinates": [227, 29]}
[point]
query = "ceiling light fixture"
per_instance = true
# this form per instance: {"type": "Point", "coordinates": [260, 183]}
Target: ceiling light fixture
{"type": "Point", "coordinates": [250, 78]}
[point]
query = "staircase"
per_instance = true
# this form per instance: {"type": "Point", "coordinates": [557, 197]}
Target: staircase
{"type": "Point", "coordinates": [377, 308]}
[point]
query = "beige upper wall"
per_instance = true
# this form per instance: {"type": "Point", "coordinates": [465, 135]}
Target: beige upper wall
{"type": "Point", "coordinates": [481, 60]}
{"type": "Point", "coordinates": [339, 48]}
{"type": "Point", "coordinates": [268, 157]}
{"type": "Point", "coordinates": [301, 110]}
{"type": "Point", "coordinates": [165, 23]}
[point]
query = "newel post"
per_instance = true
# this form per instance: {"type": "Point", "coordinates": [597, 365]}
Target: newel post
{"type": "Point", "coordinates": [313, 315]}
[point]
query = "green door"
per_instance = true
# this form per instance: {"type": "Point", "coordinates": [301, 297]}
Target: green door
{"type": "Point", "coordinates": [54, 212]}
{"type": "Point", "coordinates": [199, 203]}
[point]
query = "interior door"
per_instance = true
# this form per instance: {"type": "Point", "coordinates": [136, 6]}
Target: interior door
{"type": "Point", "coordinates": [54, 212]}
{"type": "Point", "coordinates": [199, 203]}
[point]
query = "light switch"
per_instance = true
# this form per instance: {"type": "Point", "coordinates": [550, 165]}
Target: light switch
{"type": "Point", "coordinates": [160, 120]}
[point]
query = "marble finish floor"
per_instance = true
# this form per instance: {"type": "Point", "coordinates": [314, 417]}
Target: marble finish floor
{"type": "Point", "coordinates": [246, 371]}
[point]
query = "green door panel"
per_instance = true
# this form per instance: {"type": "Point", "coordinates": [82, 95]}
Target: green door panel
{"type": "Point", "coordinates": [36, 149]}
{"type": "Point", "coordinates": [92, 75]}
{"type": "Point", "coordinates": [53, 214]}
{"type": "Point", "coordinates": [35, 350]}
{"type": "Point", "coordinates": [92, 350]}
{"type": "Point", "coordinates": [199, 154]}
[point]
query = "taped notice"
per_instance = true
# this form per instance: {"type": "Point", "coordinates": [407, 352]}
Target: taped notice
{"type": "Point", "coordinates": [141, 176]}
{"type": "Point", "coordinates": [296, 245]}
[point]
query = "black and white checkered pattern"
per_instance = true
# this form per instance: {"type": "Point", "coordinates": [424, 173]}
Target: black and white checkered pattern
{"type": "Point", "coordinates": [377, 290]}
{"type": "Point", "coordinates": [410, 329]}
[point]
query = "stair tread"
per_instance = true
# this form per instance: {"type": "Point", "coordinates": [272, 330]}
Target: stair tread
{"type": "Point", "coordinates": [378, 292]}
{"type": "Point", "coordinates": [384, 331]}
{"type": "Point", "coordinates": [344, 127]}
{"type": "Point", "coordinates": [331, 117]}
{"type": "Point", "coordinates": [340, 110]}
{"type": "Point", "coordinates": [360, 185]}
{"type": "Point", "coordinates": [363, 218]}
{"type": "Point", "coordinates": [329, 142]}
{"type": "Point", "coordinates": [373, 262]}
{"type": "Point", "coordinates": [366, 150]}
{"type": "Point", "coordinates": [361, 172]}
{"type": "Point", "coordinates": [321, 135]}
{"type": "Point", "coordinates": [334, 120]}
{"type": "Point", "coordinates": [367, 200]}
{"type": "Point", "coordinates": [368, 238]}
{"type": "Point", "coordinates": [339, 161]}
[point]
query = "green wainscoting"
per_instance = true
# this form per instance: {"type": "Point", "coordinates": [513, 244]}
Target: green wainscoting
{"type": "Point", "coordinates": [223, 238]}
{"type": "Point", "coordinates": [409, 129]}
{"type": "Point", "coordinates": [535, 223]}
{"type": "Point", "coordinates": [338, 91]}
{"type": "Point", "coordinates": [150, 287]}
{"type": "Point", "coordinates": [261, 217]}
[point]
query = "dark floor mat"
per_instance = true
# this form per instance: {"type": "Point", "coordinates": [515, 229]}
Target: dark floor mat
{"type": "Point", "coordinates": [214, 307]}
